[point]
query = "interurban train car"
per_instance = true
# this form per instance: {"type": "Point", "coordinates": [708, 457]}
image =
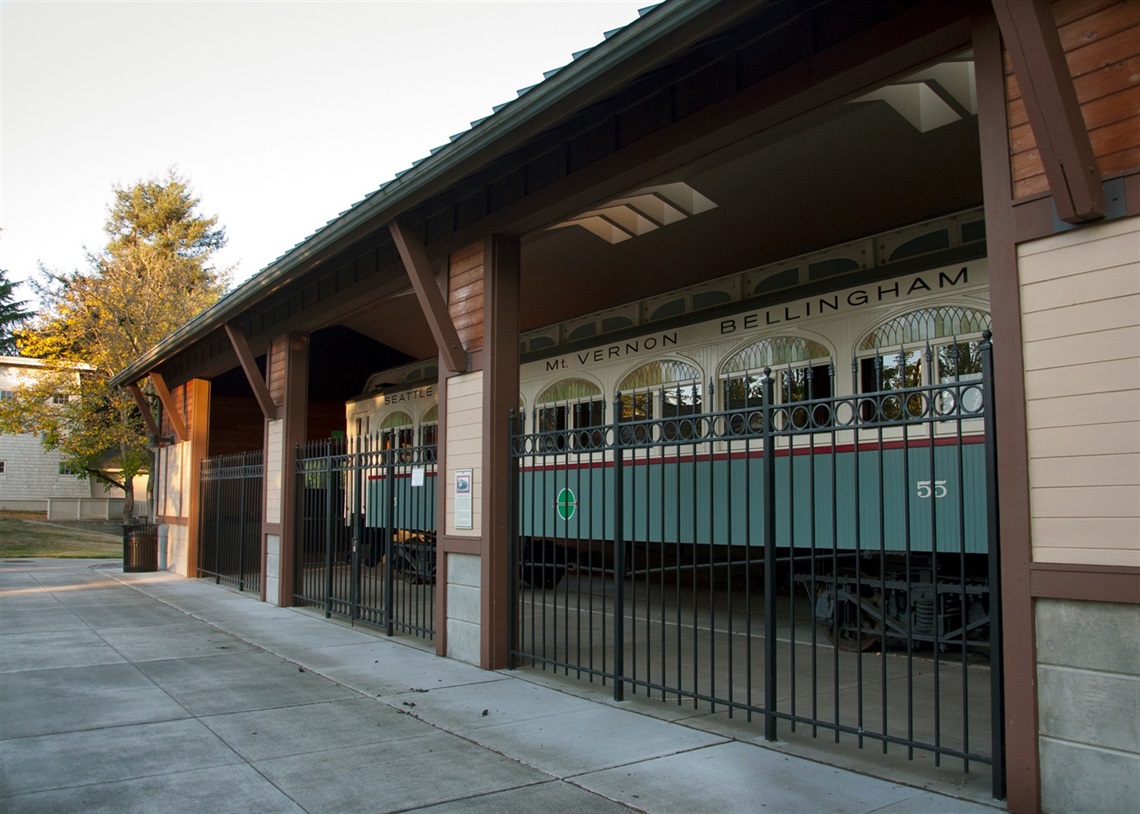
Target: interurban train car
{"type": "Point", "coordinates": [651, 442]}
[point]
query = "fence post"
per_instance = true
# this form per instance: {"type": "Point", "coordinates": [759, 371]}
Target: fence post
{"type": "Point", "coordinates": [619, 556]}
{"type": "Point", "coordinates": [513, 544]}
{"type": "Point", "coordinates": [329, 527]}
{"type": "Point", "coordinates": [993, 529]}
{"type": "Point", "coordinates": [769, 508]}
{"type": "Point", "coordinates": [388, 524]}
{"type": "Point", "coordinates": [241, 521]}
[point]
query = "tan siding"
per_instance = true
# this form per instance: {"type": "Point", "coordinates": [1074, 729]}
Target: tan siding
{"type": "Point", "coordinates": [1081, 298]}
{"type": "Point", "coordinates": [1082, 437]}
{"type": "Point", "coordinates": [1101, 40]}
{"type": "Point", "coordinates": [1074, 319]}
{"type": "Point", "coordinates": [1057, 352]}
{"type": "Point", "coordinates": [273, 472]}
{"type": "Point", "coordinates": [465, 445]}
{"type": "Point", "coordinates": [1060, 381]}
{"type": "Point", "coordinates": [1113, 407]}
{"type": "Point", "coordinates": [1090, 470]}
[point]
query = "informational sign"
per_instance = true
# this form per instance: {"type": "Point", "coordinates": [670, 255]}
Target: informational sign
{"type": "Point", "coordinates": [417, 476]}
{"type": "Point", "coordinates": [463, 499]}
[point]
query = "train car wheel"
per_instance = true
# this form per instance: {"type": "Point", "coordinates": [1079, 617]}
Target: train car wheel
{"type": "Point", "coordinates": [850, 621]}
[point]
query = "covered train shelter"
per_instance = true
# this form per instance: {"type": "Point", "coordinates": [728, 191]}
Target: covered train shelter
{"type": "Point", "coordinates": [724, 164]}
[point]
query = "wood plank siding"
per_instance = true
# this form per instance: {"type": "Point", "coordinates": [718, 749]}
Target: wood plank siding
{"type": "Point", "coordinates": [465, 295]}
{"type": "Point", "coordinates": [464, 448]}
{"type": "Point", "coordinates": [1101, 40]}
{"type": "Point", "coordinates": [1080, 294]}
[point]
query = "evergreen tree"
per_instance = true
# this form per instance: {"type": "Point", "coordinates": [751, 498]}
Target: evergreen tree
{"type": "Point", "coordinates": [154, 275]}
{"type": "Point", "coordinates": [12, 315]}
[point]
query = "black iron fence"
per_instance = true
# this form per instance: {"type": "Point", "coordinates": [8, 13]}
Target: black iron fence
{"type": "Point", "coordinates": [230, 548]}
{"type": "Point", "coordinates": [366, 532]}
{"type": "Point", "coordinates": [831, 563]}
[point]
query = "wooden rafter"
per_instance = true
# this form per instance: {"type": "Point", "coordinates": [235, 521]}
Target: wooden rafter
{"type": "Point", "coordinates": [249, 364]}
{"type": "Point", "coordinates": [144, 409]}
{"type": "Point", "coordinates": [1034, 47]}
{"type": "Point", "coordinates": [431, 299]}
{"type": "Point", "coordinates": [176, 419]}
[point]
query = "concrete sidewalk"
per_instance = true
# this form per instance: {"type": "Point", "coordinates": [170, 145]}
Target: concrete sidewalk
{"type": "Point", "coordinates": [153, 693]}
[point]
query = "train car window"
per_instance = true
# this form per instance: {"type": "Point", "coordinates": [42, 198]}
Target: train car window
{"type": "Point", "coordinates": [942, 322]}
{"type": "Point", "coordinates": [566, 410]}
{"type": "Point", "coordinates": [801, 370]}
{"type": "Point", "coordinates": [668, 388]}
{"type": "Point", "coordinates": [925, 347]}
{"type": "Point", "coordinates": [429, 430]}
{"type": "Point", "coordinates": [396, 431]}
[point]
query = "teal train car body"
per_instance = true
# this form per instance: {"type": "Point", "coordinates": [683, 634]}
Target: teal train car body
{"type": "Point", "coordinates": [877, 499]}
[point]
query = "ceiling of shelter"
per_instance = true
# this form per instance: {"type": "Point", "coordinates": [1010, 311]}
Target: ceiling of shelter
{"type": "Point", "coordinates": [847, 171]}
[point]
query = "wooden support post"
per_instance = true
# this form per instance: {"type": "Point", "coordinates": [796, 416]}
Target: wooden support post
{"type": "Point", "coordinates": [502, 260]}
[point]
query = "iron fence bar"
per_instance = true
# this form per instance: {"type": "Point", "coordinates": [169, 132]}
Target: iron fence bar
{"type": "Point", "coordinates": [241, 535]}
{"type": "Point", "coordinates": [329, 527]}
{"type": "Point", "coordinates": [934, 556]}
{"type": "Point", "coordinates": [769, 503]}
{"type": "Point", "coordinates": [513, 564]}
{"type": "Point", "coordinates": [993, 534]}
{"type": "Point", "coordinates": [387, 522]}
{"type": "Point", "coordinates": [619, 554]}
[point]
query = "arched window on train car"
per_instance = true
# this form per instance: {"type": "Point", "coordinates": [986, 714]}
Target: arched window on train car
{"type": "Point", "coordinates": [566, 410]}
{"type": "Point", "coordinates": [802, 370]}
{"type": "Point", "coordinates": [429, 432]}
{"type": "Point", "coordinates": [930, 346]}
{"type": "Point", "coordinates": [666, 389]}
{"type": "Point", "coordinates": [397, 431]}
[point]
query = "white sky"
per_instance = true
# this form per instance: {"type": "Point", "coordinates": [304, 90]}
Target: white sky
{"type": "Point", "coordinates": [280, 114]}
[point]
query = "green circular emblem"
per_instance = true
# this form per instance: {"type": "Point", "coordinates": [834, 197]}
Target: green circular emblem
{"type": "Point", "coordinates": [566, 504]}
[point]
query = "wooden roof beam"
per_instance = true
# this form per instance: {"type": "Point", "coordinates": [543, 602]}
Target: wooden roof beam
{"type": "Point", "coordinates": [431, 298]}
{"type": "Point", "coordinates": [249, 364]}
{"type": "Point", "coordinates": [1034, 47]}
{"type": "Point", "coordinates": [176, 420]}
{"type": "Point", "coordinates": [144, 409]}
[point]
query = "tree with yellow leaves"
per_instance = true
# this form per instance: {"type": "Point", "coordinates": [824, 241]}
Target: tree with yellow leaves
{"type": "Point", "coordinates": [154, 275]}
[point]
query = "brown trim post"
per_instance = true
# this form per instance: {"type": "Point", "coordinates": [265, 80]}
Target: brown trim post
{"type": "Point", "coordinates": [198, 391]}
{"type": "Point", "coordinates": [1018, 646]}
{"type": "Point", "coordinates": [501, 263]}
{"type": "Point", "coordinates": [294, 411]}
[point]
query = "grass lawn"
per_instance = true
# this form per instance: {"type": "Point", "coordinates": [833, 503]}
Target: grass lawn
{"type": "Point", "coordinates": [26, 536]}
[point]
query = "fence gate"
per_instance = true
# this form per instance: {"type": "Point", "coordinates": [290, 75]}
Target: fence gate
{"type": "Point", "coordinates": [827, 565]}
{"type": "Point", "coordinates": [366, 532]}
{"type": "Point", "coordinates": [230, 549]}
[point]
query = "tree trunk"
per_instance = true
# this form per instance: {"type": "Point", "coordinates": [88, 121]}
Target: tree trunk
{"type": "Point", "coordinates": [128, 499]}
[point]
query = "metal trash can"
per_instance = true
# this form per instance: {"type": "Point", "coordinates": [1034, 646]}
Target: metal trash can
{"type": "Point", "coordinates": [140, 547]}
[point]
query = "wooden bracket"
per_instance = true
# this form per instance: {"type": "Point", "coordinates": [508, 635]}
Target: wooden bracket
{"type": "Point", "coordinates": [144, 409]}
{"type": "Point", "coordinates": [1034, 47]}
{"type": "Point", "coordinates": [431, 299]}
{"type": "Point", "coordinates": [252, 374]}
{"type": "Point", "coordinates": [176, 419]}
